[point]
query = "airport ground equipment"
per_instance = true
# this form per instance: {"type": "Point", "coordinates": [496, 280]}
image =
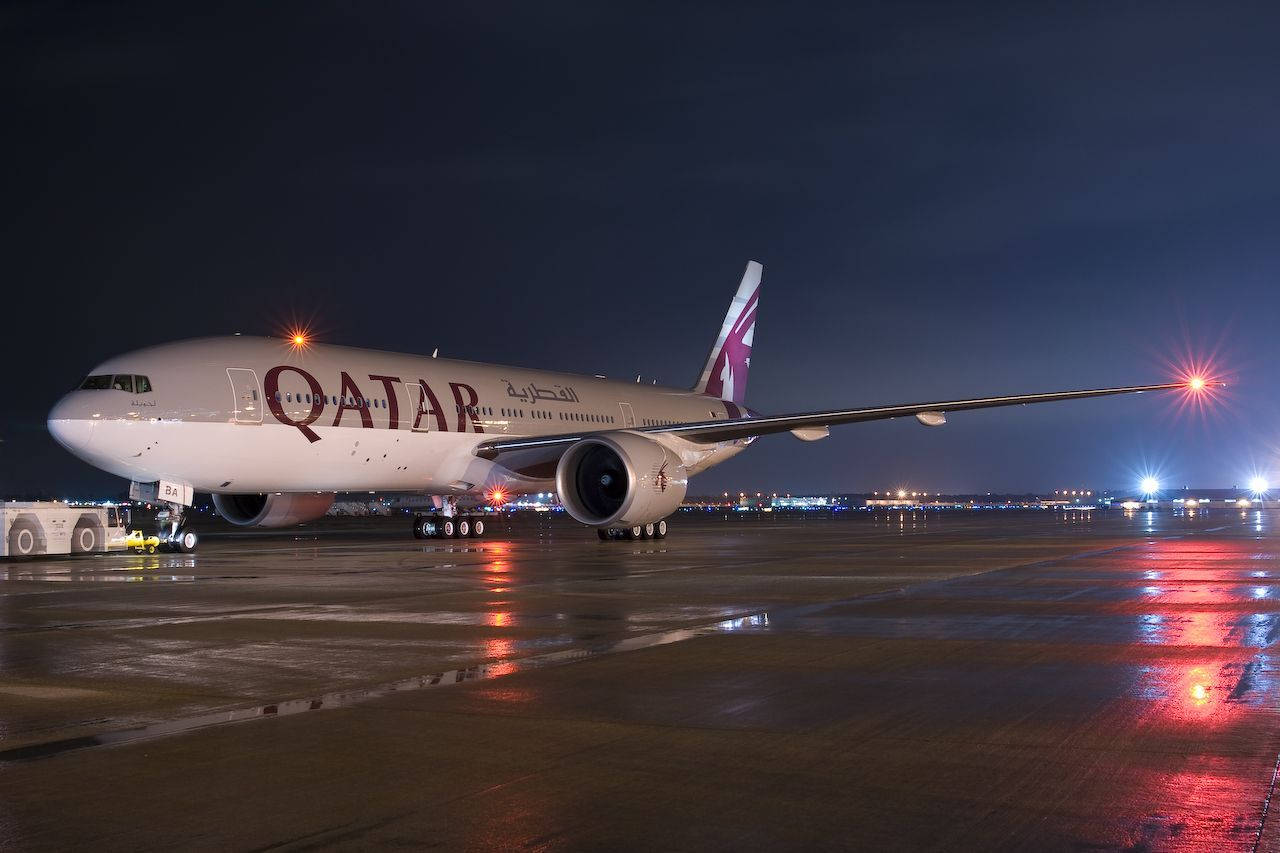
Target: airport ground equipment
{"type": "Point", "coordinates": [49, 527]}
{"type": "Point", "coordinates": [141, 543]}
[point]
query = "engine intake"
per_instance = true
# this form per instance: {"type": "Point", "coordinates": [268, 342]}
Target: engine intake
{"type": "Point", "coordinates": [273, 510]}
{"type": "Point", "coordinates": [620, 479]}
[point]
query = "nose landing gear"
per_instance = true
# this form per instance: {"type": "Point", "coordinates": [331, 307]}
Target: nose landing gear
{"type": "Point", "coordinates": [175, 535]}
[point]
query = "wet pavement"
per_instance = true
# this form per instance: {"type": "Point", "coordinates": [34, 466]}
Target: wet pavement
{"type": "Point", "coordinates": [993, 680]}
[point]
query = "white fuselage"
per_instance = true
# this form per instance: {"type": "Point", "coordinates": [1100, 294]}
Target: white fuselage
{"type": "Point", "coordinates": [243, 414]}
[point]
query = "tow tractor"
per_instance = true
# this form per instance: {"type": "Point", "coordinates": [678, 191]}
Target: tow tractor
{"type": "Point", "coordinates": [28, 528]}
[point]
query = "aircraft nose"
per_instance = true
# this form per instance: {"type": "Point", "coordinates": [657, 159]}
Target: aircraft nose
{"type": "Point", "coordinates": [71, 424]}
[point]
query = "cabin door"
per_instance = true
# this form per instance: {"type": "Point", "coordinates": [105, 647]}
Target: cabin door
{"type": "Point", "coordinates": [246, 395]}
{"type": "Point", "coordinates": [628, 416]}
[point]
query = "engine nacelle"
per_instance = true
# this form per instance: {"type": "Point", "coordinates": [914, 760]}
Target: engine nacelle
{"type": "Point", "coordinates": [273, 510]}
{"type": "Point", "coordinates": [620, 479]}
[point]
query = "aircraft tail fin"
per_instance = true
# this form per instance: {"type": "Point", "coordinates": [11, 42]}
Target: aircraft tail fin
{"type": "Point", "coordinates": [725, 374]}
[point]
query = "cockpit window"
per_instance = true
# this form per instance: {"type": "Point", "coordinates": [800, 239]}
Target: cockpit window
{"type": "Point", "coordinates": [141, 385]}
{"type": "Point", "coordinates": [122, 383]}
{"type": "Point", "coordinates": [96, 383]}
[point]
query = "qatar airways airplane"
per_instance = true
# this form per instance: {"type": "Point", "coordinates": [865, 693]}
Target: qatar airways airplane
{"type": "Point", "coordinates": [275, 428]}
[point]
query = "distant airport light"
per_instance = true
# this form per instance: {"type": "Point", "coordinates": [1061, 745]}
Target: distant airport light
{"type": "Point", "coordinates": [1149, 485]}
{"type": "Point", "coordinates": [1259, 485]}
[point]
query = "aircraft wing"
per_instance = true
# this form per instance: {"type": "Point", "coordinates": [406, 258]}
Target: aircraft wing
{"type": "Point", "coordinates": [814, 423]}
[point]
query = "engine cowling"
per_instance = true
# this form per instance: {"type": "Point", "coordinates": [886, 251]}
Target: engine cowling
{"type": "Point", "coordinates": [273, 510]}
{"type": "Point", "coordinates": [620, 479]}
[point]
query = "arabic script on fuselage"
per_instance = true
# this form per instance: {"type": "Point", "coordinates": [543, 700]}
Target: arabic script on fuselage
{"type": "Point", "coordinates": [531, 393]}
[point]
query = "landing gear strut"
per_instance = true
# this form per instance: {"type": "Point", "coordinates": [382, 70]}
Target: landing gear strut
{"type": "Point", "coordinates": [174, 533]}
{"type": "Point", "coordinates": [657, 530]}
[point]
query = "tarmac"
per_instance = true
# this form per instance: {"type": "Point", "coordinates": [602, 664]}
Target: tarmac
{"type": "Point", "coordinates": [916, 681]}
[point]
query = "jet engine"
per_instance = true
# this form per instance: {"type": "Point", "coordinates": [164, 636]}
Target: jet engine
{"type": "Point", "coordinates": [273, 510]}
{"type": "Point", "coordinates": [620, 479]}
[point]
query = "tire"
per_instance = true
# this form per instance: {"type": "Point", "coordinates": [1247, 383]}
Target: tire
{"type": "Point", "coordinates": [603, 533]}
{"type": "Point", "coordinates": [186, 541]}
{"type": "Point", "coordinates": [464, 528]}
{"type": "Point", "coordinates": [660, 530]}
{"type": "Point", "coordinates": [446, 529]}
{"type": "Point", "coordinates": [85, 538]}
{"type": "Point", "coordinates": [633, 533]}
{"type": "Point", "coordinates": [418, 530]}
{"type": "Point", "coordinates": [477, 528]}
{"type": "Point", "coordinates": [647, 532]}
{"type": "Point", "coordinates": [23, 541]}
{"type": "Point", "coordinates": [151, 549]}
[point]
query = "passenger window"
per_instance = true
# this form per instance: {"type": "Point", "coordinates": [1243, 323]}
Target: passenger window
{"type": "Point", "coordinates": [96, 383]}
{"type": "Point", "coordinates": [141, 385]}
{"type": "Point", "coordinates": [123, 383]}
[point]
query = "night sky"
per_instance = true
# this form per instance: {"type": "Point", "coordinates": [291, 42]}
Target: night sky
{"type": "Point", "coordinates": [948, 201]}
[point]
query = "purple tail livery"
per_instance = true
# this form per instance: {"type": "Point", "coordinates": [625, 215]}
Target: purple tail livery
{"type": "Point", "coordinates": [725, 375]}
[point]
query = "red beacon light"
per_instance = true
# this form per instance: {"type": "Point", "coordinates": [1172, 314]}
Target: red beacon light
{"type": "Point", "coordinates": [1196, 383]}
{"type": "Point", "coordinates": [298, 339]}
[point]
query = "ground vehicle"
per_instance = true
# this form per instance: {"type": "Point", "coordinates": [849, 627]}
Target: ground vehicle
{"type": "Point", "coordinates": [52, 527]}
{"type": "Point", "coordinates": [137, 541]}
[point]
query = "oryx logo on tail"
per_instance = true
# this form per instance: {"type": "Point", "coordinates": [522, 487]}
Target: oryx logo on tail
{"type": "Point", "coordinates": [725, 374]}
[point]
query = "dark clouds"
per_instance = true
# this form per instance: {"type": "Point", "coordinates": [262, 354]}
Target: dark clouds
{"type": "Point", "coordinates": [948, 200]}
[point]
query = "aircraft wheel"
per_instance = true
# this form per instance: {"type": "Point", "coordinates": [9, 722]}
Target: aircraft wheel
{"type": "Point", "coordinates": [446, 529]}
{"type": "Point", "coordinates": [464, 528]}
{"type": "Point", "coordinates": [647, 532]}
{"type": "Point", "coordinates": [633, 533]}
{"type": "Point", "coordinates": [660, 530]}
{"type": "Point", "coordinates": [22, 539]}
{"type": "Point", "coordinates": [477, 527]}
{"type": "Point", "coordinates": [419, 530]}
{"type": "Point", "coordinates": [604, 533]}
{"type": "Point", "coordinates": [186, 541]}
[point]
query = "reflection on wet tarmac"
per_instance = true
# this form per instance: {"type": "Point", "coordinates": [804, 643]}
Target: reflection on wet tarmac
{"type": "Point", "coordinates": [498, 648]}
{"type": "Point", "coordinates": [912, 680]}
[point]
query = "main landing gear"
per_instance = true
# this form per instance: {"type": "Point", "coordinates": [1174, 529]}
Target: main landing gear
{"type": "Point", "coordinates": [440, 526]}
{"type": "Point", "coordinates": [640, 531]}
{"type": "Point", "coordinates": [174, 533]}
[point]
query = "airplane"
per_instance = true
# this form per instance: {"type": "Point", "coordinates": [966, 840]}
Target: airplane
{"type": "Point", "coordinates": [274, 429]}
